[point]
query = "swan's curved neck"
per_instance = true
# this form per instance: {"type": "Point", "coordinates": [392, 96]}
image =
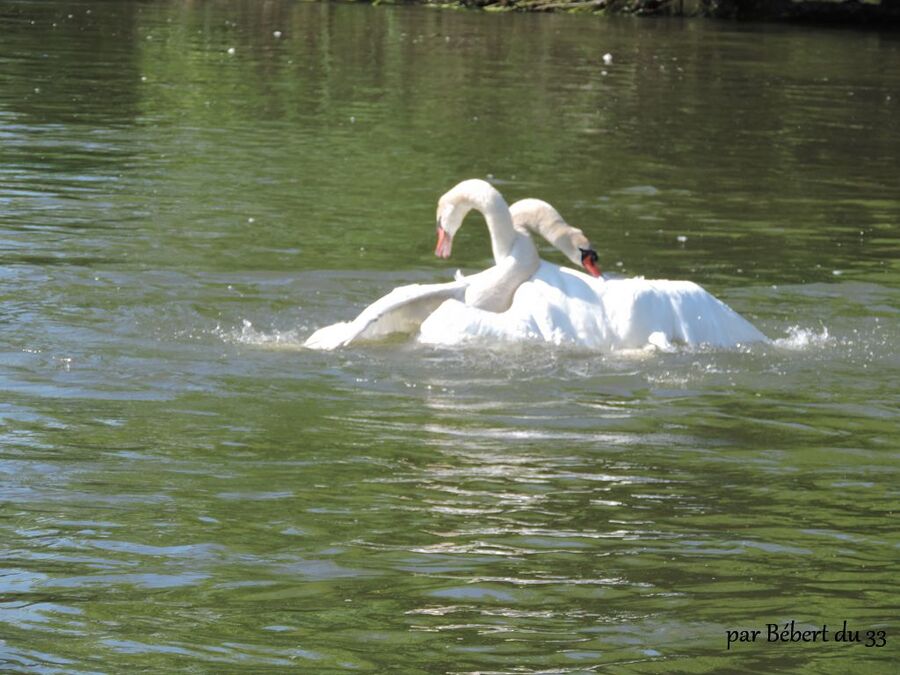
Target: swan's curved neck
{"type": "Point", "coordinates": [538, 216]}
{"type": "Point", "coordinates": [483, 197]}
{"type": "Point", "coordinates": [500, 225]}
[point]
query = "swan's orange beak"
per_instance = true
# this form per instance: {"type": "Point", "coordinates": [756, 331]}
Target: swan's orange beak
{"type": "Point", "coordinates": [444, 243]}
{"type": "Point", "coordinates": [589, 262]}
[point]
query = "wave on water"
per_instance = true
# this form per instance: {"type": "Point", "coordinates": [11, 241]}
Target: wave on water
{"type": "Point", "coordinates": [248, 334]}
{"type": "Point", "coordinates": [797, 339]}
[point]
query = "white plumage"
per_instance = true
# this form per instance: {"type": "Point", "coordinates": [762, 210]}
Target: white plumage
{"type": "Point", "coordinates": [524, 298]}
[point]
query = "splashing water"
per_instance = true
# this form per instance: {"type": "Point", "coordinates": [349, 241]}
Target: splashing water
{"type": "Point", "coordinates": [804, 338]}
{"type": "Point", "coordinates": [248, 335]}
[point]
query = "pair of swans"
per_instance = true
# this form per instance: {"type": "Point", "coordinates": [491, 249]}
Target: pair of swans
{"type": "Point", "coordinates": [525, 298]}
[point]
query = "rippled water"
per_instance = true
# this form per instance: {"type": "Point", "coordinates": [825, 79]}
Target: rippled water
{"type": "Point", "coordinates": [183, 488]}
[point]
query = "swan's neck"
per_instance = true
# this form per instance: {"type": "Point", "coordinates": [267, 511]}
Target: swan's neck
{"type": "Point", "coordinates": [538, 216]}
{"type": "Point", "coordinates": [500, 226]}
{"type": "Point", "coordinates": [484, 198]}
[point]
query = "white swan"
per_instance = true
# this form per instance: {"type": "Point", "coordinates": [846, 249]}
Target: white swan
{"type": "Point", "coordinates": [515, 256]}
{"type": "Point", "coordinates": [524, 298]}
{"type": "Point", "coordinates": [565, 307]}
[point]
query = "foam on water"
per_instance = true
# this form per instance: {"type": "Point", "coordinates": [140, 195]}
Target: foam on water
{"type": "Point", "coordinates": [804, 338]}
{"type": "Point", "coordinates": [248, 335]}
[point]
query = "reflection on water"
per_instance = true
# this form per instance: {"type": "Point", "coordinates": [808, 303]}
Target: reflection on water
{"type": "Point", "coordinates": [183, 487]}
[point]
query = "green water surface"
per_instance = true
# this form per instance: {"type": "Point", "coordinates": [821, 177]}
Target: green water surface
{"type": "Point", "coordinates": [185, 196]}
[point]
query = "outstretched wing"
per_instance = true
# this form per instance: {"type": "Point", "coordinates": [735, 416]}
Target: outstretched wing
{"type": "Point", "coordinates": [400, 311]}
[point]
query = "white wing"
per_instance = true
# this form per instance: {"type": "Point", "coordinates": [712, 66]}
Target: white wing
{"type": "Point", "coordinates": [400, 311]}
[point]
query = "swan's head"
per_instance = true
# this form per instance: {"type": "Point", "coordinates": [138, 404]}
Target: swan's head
{"type": "Point", "coordinates": [540, 217]}
{"type": "Point", "coordinates": [589, 262]}
{"type": "Point", "coordinates": [577, 248]}
{"type": "Point", "coordinates": [454, 205]}
{"type": "Point", "coordinates": [449, 220]}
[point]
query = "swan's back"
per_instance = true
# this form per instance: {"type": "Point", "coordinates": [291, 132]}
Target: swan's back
{"type": "Point", "coordinates": [563, 306]}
